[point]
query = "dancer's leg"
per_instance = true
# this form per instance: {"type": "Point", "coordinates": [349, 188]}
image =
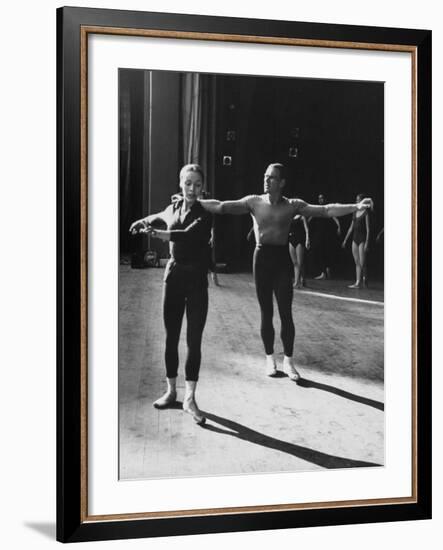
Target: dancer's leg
{"type": "Point", "coordinates": [295, 263]}
{"type": "Point", "coordinates": [196, 313]}
{"type": "Point", "coordinates": [300, 251]}
{"type": "Point", "coordinates": [263, 274]}
{"type": "Point", "coordinates": [263, 287]}
{"type": "Point", "coordinates": [173, 310]}
{"type": "Point", "coordinates": [284, 294]}
{"type": "Point", "coordinates": [362, 257]}
{"type": "Point", "coordinates": [355, 254]}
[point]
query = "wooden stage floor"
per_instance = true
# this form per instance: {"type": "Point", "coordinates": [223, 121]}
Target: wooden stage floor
{"type": "Point", "coordinates": [334, 418]}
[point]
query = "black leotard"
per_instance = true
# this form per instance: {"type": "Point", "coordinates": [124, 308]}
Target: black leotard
{"type": "Point", "coordinates": [359, 233]}
{"type": "Point", "coordinates": [297, 233]}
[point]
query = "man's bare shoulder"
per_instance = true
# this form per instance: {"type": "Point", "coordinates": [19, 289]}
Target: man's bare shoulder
{"type": "Point", "coordinates": [254, 197]}
{"type": "Point", "coordinates": [253, 200]}
{"type": "Point", "coordinates": [297, 204]}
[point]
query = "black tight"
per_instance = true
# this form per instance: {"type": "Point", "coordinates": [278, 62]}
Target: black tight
{"type": "Point", "coordinates": [273, 274]}
{"type": "Point", "coordinates": [184, 290]}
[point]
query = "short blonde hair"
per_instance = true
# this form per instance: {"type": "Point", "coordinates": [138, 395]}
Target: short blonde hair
{"type": "Point", "coordinates": [192, 168]}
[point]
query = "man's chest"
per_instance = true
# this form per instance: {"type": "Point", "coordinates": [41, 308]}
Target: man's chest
{"type": "Point", "coordinates": [273, 214]}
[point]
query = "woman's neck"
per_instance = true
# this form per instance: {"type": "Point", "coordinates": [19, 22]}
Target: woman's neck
{"type": "Point", "coordinates": [187, 204]}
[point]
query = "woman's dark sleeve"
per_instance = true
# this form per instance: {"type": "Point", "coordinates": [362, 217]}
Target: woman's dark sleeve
{"type": "Point", "coordinates": [198, 231]}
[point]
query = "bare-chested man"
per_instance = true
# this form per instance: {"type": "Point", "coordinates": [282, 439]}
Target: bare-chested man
{"type": "Point", "coordinates": [272, 214]}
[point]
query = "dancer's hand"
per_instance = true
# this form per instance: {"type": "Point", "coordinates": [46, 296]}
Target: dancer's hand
{"type": "Point", "coordinates": [139, 226]}
{"type": "Point", "coordinates": [365, 204]}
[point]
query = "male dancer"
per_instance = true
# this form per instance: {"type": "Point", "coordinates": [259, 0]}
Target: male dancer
{"type": "Point", "coordinates": [272, 214]}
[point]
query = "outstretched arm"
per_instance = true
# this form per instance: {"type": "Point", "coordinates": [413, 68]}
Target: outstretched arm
{"type": "Point", "coordinates": [211, 205]}
{"type": "Point", "coordinates": [367, 232]}
{"type": "Point", "coordinates": [332, 210]}
{"type": "Point", "coordinates": [337, 223]}
{"type": "Point", "coordinates": [240, 206]}
{"type": "Point", "coordinates": [306, 226]}
{"type": "Point", "coordinates": [351, 227]}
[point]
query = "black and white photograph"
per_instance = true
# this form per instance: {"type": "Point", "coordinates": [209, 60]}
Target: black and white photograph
{"type": "Point", "coordinates": [251, 274]}
{"type": "Point", "coordinates": [217, 275]}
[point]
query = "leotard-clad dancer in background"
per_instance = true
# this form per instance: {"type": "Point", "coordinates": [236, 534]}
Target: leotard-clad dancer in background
{"type": "Point", "coordinates": [272, 214]}
{"type": "Point", "coordinates": [298, 243]}
{"type": "Point", "coordinates": [322, 241]}
{"type": "Point", "coordinates": [360, 229]}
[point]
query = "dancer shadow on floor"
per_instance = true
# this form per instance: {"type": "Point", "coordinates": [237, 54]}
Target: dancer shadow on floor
{"type": "Point", "coordinates": [303, 382]}
{"type": "Point", "coordinates": [234, 429]}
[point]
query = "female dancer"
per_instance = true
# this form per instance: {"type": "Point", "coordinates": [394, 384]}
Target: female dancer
{"type": "Point", "coordinates": [185, 283]}
{"type": "Point", "coordinates": [323, 241]}
{"type": "Point", "coordinates": [360, 239]}
{"type": "Point", "coordinates": [298, 241]}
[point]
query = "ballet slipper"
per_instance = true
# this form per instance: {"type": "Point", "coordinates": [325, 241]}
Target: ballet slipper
{"type": "Point", "coordinates": [165, 400]}
{"type": "Point", "coordinates": [290, 370]}
{"type": "Point", "coordinates": [271, 367]}
{"type": "Point", "coordinates": [355, 285]}
{"type": "Point", "coordinates": [169, 397]}
{"type": "Point", "coordinates": [190, 406]}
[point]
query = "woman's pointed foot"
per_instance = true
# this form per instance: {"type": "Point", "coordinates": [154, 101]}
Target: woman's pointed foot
{"type": "Point", "coordinates": [290, 370]}
{"type": "Point", "coordinates": [190, 407]}
{"type": "Point", "coordinates": [355, 285]}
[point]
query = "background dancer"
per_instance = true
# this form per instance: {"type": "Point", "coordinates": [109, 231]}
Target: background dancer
{"type": "Point", "coordinates": [323, 241]}
{"type": "Point", "coordinates": [298, 242]}
{"type": "Point", "coordinates": [360, 241]}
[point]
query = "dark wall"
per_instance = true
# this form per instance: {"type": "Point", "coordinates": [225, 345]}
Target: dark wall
{"type": "Point", "coordinates": [149, 150]}
{"type": "Point", "coordinates": [131, 161]}
{"type": "Point", "coordinates": [334, 128]}
{"type": "Point", "coordinates": [162, 177]}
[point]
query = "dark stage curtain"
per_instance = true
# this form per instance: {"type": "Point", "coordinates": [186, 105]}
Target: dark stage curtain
{"type": "Point", "coordinates": [198, 123]}
{"type": "Point", "coordinates": [125, 166]}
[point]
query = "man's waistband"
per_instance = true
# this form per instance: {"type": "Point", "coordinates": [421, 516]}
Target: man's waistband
{"type": "Point", "coordinates": [276, 247]}
{"type": "Point", "coordinates": [197, 264]}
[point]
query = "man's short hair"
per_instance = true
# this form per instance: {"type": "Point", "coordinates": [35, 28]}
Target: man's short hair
{"type": "Point", "coordinates": [281, 168]}
{"type": "Point", "coordinates": [192, 168]}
